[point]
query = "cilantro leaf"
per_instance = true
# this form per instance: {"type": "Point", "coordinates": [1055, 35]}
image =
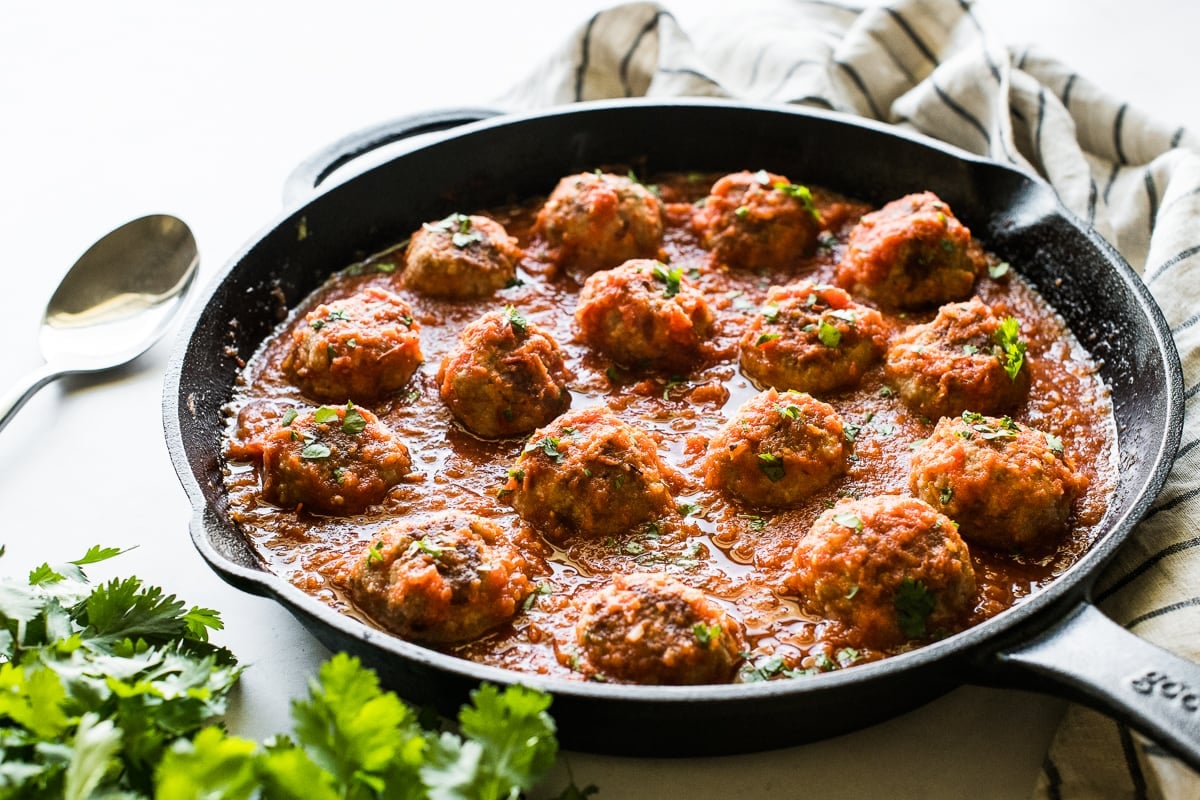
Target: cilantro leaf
{"type": "Point", "coordinates": [829, 334]}
{"type": "Point", "coordinates": [771, 466]}
{"type": "Point", "coordinates": [1012, 349]}
{"type": "Point", "coordinates": [914, 603]}
{"type": "Point", "coordinates": [510, 746]}
{"type": "Point", "coordinates": [671, 277]}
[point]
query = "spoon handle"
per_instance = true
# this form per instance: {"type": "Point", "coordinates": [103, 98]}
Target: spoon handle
{"type": "Point", "coordinates": [16, 397]}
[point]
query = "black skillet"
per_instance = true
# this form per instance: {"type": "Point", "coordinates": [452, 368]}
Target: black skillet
{"type": "Point", "coordinates": [1055, 641]}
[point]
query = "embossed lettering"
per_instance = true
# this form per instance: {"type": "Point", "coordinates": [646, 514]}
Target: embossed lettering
{"type": "Point", "coordinates": [1166, 687]}
{"type": "Point", "coordinates": [1145, 684]}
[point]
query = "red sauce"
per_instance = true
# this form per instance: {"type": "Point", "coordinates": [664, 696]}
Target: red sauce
{"type": "Point", "coordinates": [739, 555]}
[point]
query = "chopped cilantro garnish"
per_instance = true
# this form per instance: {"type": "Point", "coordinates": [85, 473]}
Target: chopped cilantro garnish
{"type": "Point", "coordinates": [770, 312]}
{"type": "Point", "coordinates": [946, 495]}
{"type": "Point", "coordinates": [672, 277]}
{"type": "Point", "coordinates": [325, 414]}
{"type": "Point", "coordinates": [741, 211]}
{"type": "Point", "coordinates": [802, 194]}
{"type": "Point", "coordinates": [548, 445]}
{"type": "Point", "coordinates": [764, 338]}
{"type": "Point", "coordinates": [688, 509]}
{"type": "Point", "coordinates": [706, 634]}
{"type": "Point", "coordinates": [314, 451]}
{"type": "Point", "coordinates": [353, 422]}
{"type": "Point", "coordinates": [789, 411]}
{"type": "Point", "coordinates": [914, 603]}
{"type": "Point", "coordinates": [516, 320]}
{"type": "Point", "coordinates": [1054, 443]}
{"type": "Point", "coordinates": [429, 548]}
{"type": "Point", "coordinates": [375, 552]}
{"type": "Point", "coordinates": [771, 466]}
{"type": "Point", "coordinates": [755, 522]}
{"type": "Point", "coordinates": [829, 335]}
{"type": "Point", "coordinates": [1012, 349]}
{"type": "Point", "coordinates": [289, 417]}
{"type": "Point", "coordinates": [998, 270]}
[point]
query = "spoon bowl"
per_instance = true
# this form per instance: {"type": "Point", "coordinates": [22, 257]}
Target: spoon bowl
{"type": "Point", "coordinates": [113, 304]}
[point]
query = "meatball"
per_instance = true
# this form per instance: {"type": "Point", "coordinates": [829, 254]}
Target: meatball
{"type": "Point", "coordinates": [777, 449]}
{"type": "Point", "coordinates": [643, 314]}
{"type": "Point", "coordinates": [812, 338]}
{"type": "Point", "coordinates": [756, 220]}
{"type": "Point", "coordinates": [332, 460]}
{"type": "Point", "coordinates": [890, 568]}
{"type": "Point", "coordinates": [911, 253]}
{"type": "Point", "coordinates": [1008, 486]}
{"type": "Point", "coordinates": [505, 378]}
{"type": "Point", "coordinates": [650, 628]}
{"type": "Point", "coordinates": [447, 578]}
{"type": "Point", "coordinates": [596, 220]}
{"type": "Point", "coordinates": [361, 348]}
{"type": "Point", "coordinates": [461, 257]}
{"type": "Point", "coordinates": [589, 474]}
{"type": "Point", "coordinates": [966, 358]}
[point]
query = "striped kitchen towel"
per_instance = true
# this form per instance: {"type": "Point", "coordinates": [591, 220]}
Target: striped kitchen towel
{"type": "Point", "coordinates": [928, 65]}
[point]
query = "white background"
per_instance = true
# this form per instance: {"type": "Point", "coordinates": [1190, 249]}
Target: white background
{"type": "Point", "coordinates": [109, 111]}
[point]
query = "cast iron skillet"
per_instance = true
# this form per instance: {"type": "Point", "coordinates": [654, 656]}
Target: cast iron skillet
{"type": "Point", "coordinates": [1055, 641]}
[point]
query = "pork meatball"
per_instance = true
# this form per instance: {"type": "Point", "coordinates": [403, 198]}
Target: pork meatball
{"type": "Point", "coordinates": [966, 358]}
{"type": "Point", "coordinates": [812, 338]}
{"type": "Point", "coordinates": [777, 449]}
{"type": "Point", "coordinates": [652, 629]}
{"type": "Point", "coordinates": [447, 578]}
{"type": "Point", "coordinates": [596, 220]}
{"type": "Point", "coordinates": [890, 568]}
{"type": "Point", "coordinates": [332, 460]}
{"type": "Point", "coordinates": [505, 377]}
{"type": "Point", "coordinates": [756, 220]}
{"type": "Point", "coordinates": [1008, 486]}
{"type": "Point", "coordinates": [911, 253]}
{"type": "Point", "coordinates": [589, 474]}
{"type": "Point", "coordinates": [644, 314]}
{"type": "Point", "coordinates": [461, 257]}
{"type": "Point", "coordinates": [360, 348]}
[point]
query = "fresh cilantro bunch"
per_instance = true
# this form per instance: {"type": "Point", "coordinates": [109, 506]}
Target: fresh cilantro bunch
{"type": "Point", "coordinates": [354, 741]}
{"type": "Point", "coordinates": [111, 692]}
{"type": "Point", "coordinates": [97, 681]}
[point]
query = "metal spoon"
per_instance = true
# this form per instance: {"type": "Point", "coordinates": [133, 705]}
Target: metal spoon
{"type": "Point", "coordinates": [114, 303]}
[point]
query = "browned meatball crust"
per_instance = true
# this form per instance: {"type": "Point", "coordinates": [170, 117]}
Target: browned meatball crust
{"type": "Point", "coordinates": [589, 474]}
{"type": "Point", "coordinates": [652, 629]}
{"type": "Point", "coordinates": [913, 252]}
{"type": "Point", "coordinates": [890, 568]}
{"type": "Point", "coordinates": [505, 378]}
{"type": "Point", "coordinates": [446, 578]}
{"type": "Point", "coordinates": [644, 314]}
{"type": "Point", "coordinates": [596, 220]}
{"type": "Point", "coordinates": [360, 348]}
{"type": "Point", "coordinates": [966, 358]}
{"type": "Point", "coordinates": [812, 338]}
{"type": "Point", "coordinates": [777, 449]}
{"type": "Point", "coordinates": [331, 460]}
{"type": "Point", "coordinates": [755, 220]}
{"type": "Point", "coordinates": [460, 257]}
{"type": "Point", "coordinates": [1008, 486]}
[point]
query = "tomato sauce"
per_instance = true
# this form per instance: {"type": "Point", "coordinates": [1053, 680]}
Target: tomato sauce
{"type": "Point", "coordinates": [739, 555]}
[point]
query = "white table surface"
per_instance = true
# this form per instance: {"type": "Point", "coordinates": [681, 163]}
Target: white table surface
{"type": "Point", "coordinates": [109, 111]}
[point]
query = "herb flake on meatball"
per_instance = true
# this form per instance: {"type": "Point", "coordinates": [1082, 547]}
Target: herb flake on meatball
{"type": "Point", "coordinates": [1009, 486]}
{"type": "Point", "coordinates": [461, 257]}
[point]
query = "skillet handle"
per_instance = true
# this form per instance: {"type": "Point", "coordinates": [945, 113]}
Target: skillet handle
{"type": "Point", "coordinates": [311, 172]}
{"type": "Point", "coordinates": [1091, 659]}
